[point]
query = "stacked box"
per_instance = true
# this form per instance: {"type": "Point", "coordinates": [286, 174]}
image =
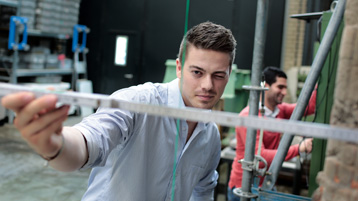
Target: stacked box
{"type": "Point", "coordinates": [57, 16]}
{"type": "Point", "coordinates": [28, 10]}
{"type": "Point", "coordinates": [50, 16]}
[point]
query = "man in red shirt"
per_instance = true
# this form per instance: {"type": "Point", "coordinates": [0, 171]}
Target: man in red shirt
{"type": "Point", "coordinates": [276, 82]}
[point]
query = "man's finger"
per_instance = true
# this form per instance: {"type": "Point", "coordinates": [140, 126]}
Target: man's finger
{"type": "Point", "coordinates": [17, 101]}
{"type": "Point", "coordinates": [35, 107]}
{"type": "Point", "coordinates": [44, 121]}
{"type": "Point", "coordinates": [46, 142]}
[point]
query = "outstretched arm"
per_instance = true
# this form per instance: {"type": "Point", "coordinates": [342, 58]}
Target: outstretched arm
{"type": "Point", "coordinates": [269, 153]}
{"type": "Point", "coordinates": [40, 124]}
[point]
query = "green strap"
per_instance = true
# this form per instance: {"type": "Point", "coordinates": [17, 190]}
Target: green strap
{"type": "Point", "coordinates": [181, 86]}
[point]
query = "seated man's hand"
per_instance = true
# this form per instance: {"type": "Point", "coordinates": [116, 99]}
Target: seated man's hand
{"type": "Point", "coordinates": [38, 120]}
{"type": "Point", "coordinates": [306, 146]}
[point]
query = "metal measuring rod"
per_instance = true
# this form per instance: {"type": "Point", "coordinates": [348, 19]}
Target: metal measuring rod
{"type": "Point", "coordinates": [194, 114]}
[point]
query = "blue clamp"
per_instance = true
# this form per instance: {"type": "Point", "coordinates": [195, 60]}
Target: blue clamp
{"type": "Point", "coordinates": [14, 22]}
{"type": "Point", "coordinates": [76, 30]}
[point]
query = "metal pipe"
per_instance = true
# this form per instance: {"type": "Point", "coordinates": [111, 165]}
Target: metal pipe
{"type": "Point", "coordinates": [258, 56]}
{"type": "Point", "coordinates": [15, 60]}
{"type": "Point", "coordinates": [306, 92]}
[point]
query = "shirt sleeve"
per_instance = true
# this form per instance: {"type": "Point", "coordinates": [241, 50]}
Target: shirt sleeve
{"type": "Point", "coordinates": [311, 107]}
{"type": "Point", "coordinates": [267, 154]}
{"type": "Point", "coordinates": [107, 129]}
{"type": "Point", "coordinates": [287, 108]}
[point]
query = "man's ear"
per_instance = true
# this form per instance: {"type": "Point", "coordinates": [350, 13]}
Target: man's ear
{"type": "Point", "coordinates": [178, 68]}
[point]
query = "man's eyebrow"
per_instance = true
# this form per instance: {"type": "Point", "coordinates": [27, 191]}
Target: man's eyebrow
{"type": "Point", "coordinates": [197, 67]}
{"type": "Point", "coordinates": [201, 69]}
{"type": "Point", "coordinates": [224, 72]}
{"type": "Point", "coordinates": [282, 85]}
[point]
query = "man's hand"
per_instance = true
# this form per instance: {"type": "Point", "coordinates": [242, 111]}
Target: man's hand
{"type": "Point", "coordinates": [306, 146]}
{"type": "Point", "coordinates": [38, 120]}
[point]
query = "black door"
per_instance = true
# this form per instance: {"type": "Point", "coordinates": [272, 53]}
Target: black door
{"type": "Point", "coordinates": [120, 60]}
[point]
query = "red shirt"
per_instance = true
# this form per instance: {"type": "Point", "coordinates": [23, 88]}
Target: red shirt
{"type": "Point", "coordinates": [270, 141]}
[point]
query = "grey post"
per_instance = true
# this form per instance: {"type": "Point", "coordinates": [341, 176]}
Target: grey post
{"type": "Point", "coordinates": [258, 56]}
{"type": "Point", "coordinates": [306, 92]}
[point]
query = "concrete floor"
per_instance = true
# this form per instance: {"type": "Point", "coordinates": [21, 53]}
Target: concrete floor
{"type": "Point", "coordinates": [23, 176]}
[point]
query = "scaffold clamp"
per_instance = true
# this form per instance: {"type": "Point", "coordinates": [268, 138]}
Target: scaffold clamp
{"type": "Point", "coordinates": [77, 29]}
{"type": "Point", "coordinates": [16, 21]}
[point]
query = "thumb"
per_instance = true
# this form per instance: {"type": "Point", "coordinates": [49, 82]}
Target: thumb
{"type": "Point", "coordinates": [308, 144]}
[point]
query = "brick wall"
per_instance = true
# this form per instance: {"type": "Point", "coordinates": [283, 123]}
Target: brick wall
{"type": "Point", "coordinates": [294, 35]}
{"type": "Point", "coordinates": [293, 40]}
{"type": "Point", "coordinates": [339, 179]}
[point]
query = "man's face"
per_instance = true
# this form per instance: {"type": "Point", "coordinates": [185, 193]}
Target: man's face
{"type": "Point", "coordinates": [205, 75]}
{"type": "Point", "coordinates": [277, 91]}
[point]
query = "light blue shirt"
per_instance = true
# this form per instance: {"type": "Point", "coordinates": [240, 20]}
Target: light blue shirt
{"type": "Point", "coordinates": [132, 155]}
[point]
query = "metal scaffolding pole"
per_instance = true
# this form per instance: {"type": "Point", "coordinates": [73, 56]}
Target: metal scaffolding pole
{"type": "Point", "coordinates": [258, 56]}
{"type": "Point", "coordinates": [306, 92]}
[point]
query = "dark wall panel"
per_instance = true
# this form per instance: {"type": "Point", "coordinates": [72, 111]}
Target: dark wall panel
{"type": "Point", "coordinates": [156, 28]}
{"type": "Point", "coordinates": [165, 29]}
{"type": "Point", "coordinates": [90, 15]}
{"type": "Point", "coordinates": [274, 33]}
{"type": "Point", "coordinates": [244, 30]}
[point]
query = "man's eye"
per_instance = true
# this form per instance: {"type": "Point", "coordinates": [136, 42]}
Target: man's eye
{"type": "Point", "coordinates": [220, 76]}
{"type": "Point", "coordinates": [197, 72]}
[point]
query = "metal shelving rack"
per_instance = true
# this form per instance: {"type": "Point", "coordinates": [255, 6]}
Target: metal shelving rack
{"type": "Point", "coordinates": [8, 3]}
{"type": "Point", "coordinates": [12, 74]}
{"type": "Point", "coordinates": [15, 72]}
{"type": "Point", "coordinates": [33, 32]}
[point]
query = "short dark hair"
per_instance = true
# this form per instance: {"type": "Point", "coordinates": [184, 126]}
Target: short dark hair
{"type": "Point", "coordinates": [210, 36]}
{"type": "Point", "coordinates": [271, 73]}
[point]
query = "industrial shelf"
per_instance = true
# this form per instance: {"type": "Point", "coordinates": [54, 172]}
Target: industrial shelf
{"type": "Point", "coordinates": [13, 72]}
{"type": "Point", "coordinates": [38, 33]}
{"type": "Point", "coordinates": [33, 32]}
{"type": "Point", "coordinates": [37, 72]}
{"type": "Point", "coordinates": [9, 3]}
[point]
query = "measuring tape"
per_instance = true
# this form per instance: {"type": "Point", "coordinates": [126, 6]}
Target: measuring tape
{"type": "Point", "coordinates": [308, 129]}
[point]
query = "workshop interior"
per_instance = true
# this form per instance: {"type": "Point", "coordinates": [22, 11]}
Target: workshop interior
{"type": "Point", "coordinates": [98, 47]}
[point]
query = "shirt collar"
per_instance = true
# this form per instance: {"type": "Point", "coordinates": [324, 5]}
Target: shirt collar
{"type": "Point", "coordinates": [174, 95]}
{"type": "Point", "coordinates": [270, 113]}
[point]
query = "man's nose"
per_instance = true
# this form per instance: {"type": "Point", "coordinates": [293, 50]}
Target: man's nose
{"type": "Point", "coordinates": [284, 91]}
{"type": "Point", "coordinates": [207, 83]}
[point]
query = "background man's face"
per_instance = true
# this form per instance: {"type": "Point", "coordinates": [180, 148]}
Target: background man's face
{"type": "Point", "coordinates": [277, 91]}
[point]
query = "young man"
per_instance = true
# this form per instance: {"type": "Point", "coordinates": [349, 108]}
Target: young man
{"type": "Point", "coordinates": [276, 81]}
{"type": "Point", "coordinates": [132, 155]}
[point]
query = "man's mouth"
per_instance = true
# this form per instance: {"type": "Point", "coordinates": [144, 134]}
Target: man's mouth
{"type": "Point", "coordinates": [205, 97]}
{"type": "Point", "coordinates": [280, 98]}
